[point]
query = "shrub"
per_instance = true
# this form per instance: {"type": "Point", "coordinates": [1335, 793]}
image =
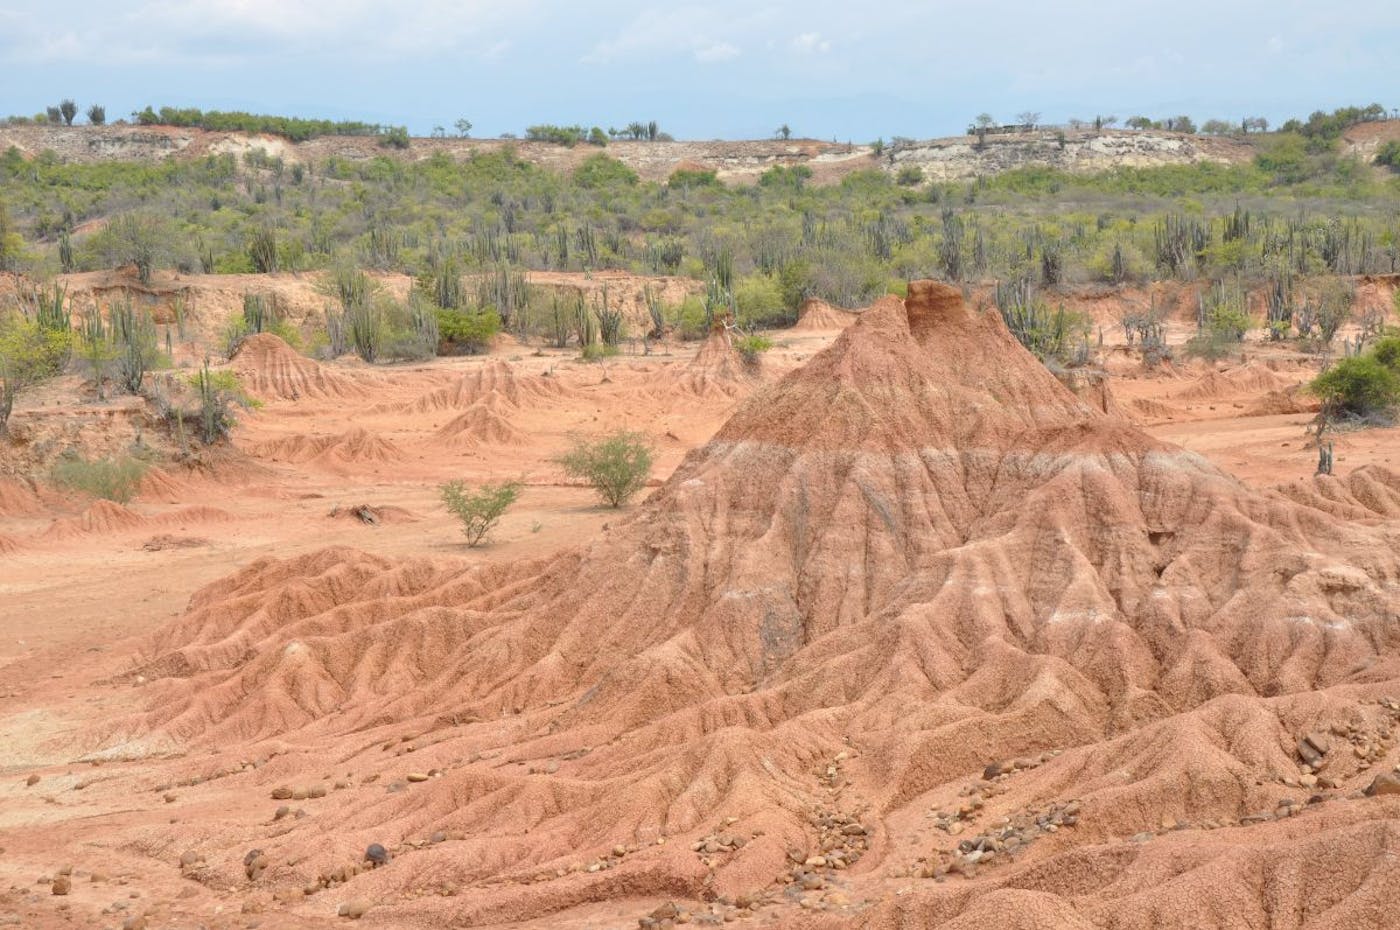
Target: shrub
{"type": "Point", "coordinates": [686, 178]}
{"type": "Point", "coordinates": [600, 171]}
{"type": "Point", "coordinates": [617, 466]}
{"type": "Point", "coordinates": [28, 354]}
{"type": "Point", "coordinates": [395, 137]}
{"type": "Point", "coordinates": [752, 347]}
{"type": "Point", "coordinates": [1388, 155]}
{"type": "Point", "coordinates": [68, 110]}
{"type": "Point", "coordinates": [112, 479]}
{"type": "Point", "coordinates": [760, 300]}
{"type": "Point", "coordinates": [97, 115]}
{"type": "Point", "coordinates": [217, 393]}
{"type": "Point", "coordinates": [141, 238]}
{"type": "Point", "coordinates": [466, 331]}
{"type": "Point", "coordinates": [1361, 386]}
{"type": "Point", "coordinates": [909, 176]}
{"type": "Point", "coordinates": [479, 510]}
{"type": "Point", "coordinates": [785, 177]}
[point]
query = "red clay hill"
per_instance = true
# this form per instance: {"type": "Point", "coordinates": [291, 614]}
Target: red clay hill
{"type": "Point", "coordinates": [919, 639]}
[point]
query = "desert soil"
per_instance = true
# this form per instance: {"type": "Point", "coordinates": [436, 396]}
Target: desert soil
{"type": "Point", "coordinates": [904, 634]}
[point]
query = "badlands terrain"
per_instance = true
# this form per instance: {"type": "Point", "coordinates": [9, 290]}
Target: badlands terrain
{"type": "Point", "coordinates": [904, 634]}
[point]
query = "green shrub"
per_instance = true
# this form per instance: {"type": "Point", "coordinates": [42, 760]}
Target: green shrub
{"type": "Point", "coordinates": [395, 137]}
{"type": "Point", "coordinates": [112, 479]}
{"type": "Point", "coordinates": [752, 347]}
{"type": "Point", "coordinates": [601, 171]}
{"type": "Point", "coordinates": [692, 318]}
{"type": "Point", "coordinates": [29, 354]}
{"type": "Point", "coordinates": [617, 465]}
{"type": "Point", "coordinates": [1361, 386]}
{"type": "Point", "coordinates": [686, 178]}
{"type": "Point", "coordinates": [760, 300]}
{"type": "Point", "coordinates": [479, 510]}
{"type": "Point", "coordinates": [467, 332]}
{"type": "Point", "coordinates": [909, 176]}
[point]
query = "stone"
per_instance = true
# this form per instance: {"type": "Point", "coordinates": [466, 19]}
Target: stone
{"type": "Point", "coordinates": [282, 794]}
{"type": "Point", "coordinates": [188, 858]}
{"type": "Point", "coordinates": [995, 769]}
{"type": "Point", "coordinates": [1383, 784]}
{"type": "Point", "coordinates": [353, 909]}
{"type": "Point", "coordinates": [417, 777]}
{"type": "Point", "coordinates": [61, 885]}
{"type": "Point", "coordinates": [376, 855]}
{"type": "Point", "coordinates": [31, 781]}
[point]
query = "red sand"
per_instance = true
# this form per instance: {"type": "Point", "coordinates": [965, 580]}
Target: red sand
{"type": "Point", "coordinates": [919, 638]}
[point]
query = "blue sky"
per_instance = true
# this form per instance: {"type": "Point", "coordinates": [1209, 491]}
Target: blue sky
{"type": "Point", "coordinates": [850, 71]}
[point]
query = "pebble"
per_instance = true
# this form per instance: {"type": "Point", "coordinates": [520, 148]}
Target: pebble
{"type": "Point", "coordinates": [353, 909]}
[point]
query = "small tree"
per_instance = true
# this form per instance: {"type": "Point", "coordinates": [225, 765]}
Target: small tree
{"type": "Point", "coordinates": [783, 132]}
{"type": "Point", "coordinates": [97, 115]}
{"type": "Point", "coordinates": [479, 510]}
{"type": "Point", "coordinates": [29, 354]}
{"type": "Point", "coordinates": [1028, 119]}
{"type": "Point", "coordinates": [464, 127]}
{"type": "Point", "coordinates": [68, 110]}
{"type": "Point", "coordinates": [617, 466]}
{"type": "Point", "coordinates": [139, 238]}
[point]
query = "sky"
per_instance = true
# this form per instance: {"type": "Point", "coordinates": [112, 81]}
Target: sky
{"type": "Point", "coordinates": [704, 70]}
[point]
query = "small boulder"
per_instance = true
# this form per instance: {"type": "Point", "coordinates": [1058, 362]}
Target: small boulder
{"type": "Point", "coordinates": [1383, 784]}
{"type": "Point", "coordinates": [61, 885]}
{"type": "Point", "coordinates": [376, 855]}
{"type": "Point", "coordinates": [353, 909]}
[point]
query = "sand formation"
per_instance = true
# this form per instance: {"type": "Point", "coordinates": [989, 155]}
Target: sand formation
{"type": "Point", "coordinates": [495, 378]}
{"type": "Point", "coordinates": [816, 315]}
{"type": "Point", "coordinates": [269, 369]}
{"type": "Point", "coordinates": [355, 445]}
{"type": "Point", "coordinates": [917, 619]}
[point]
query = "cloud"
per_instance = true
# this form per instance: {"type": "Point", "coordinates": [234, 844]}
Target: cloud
{"type": "Point", "coordinates": [716, 51]}
{"type": "Point", "coordinates": [811, 43]}
{"type": "Point", "coordinates": [664, 33]}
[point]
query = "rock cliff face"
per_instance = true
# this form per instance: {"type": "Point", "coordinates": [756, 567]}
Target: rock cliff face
{"type": "Point", "coordinates": [963, 157]}
{"type": "Point", "coordinates": [735, 161]}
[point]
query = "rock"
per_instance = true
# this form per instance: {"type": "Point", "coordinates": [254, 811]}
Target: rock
{"type": "Point", "coordinates": [61, 885]}
{"type": "Point", "coordinates": [1383, 784]}
{"type": "Point", "coordinates": [1308, 752]}
{"type": "Point", "coordinates": [282, 794]}
{"type": "Point", "coordinates": [416, 777]}
{"type": "Point", "coordinates": [281, 812]}
{"type": "Point", "coordinates": [31, 781]}
{"type": "Point", "coordinates": [188, 858]}
{"type": "Point", "coordinates": [376, 855]}
{"type": "Point", "coordinates": [438, 837]}
{"type": "Point", "coordinates": [353, 909]}
{"type": "Point", "coordinates": [995, 769]}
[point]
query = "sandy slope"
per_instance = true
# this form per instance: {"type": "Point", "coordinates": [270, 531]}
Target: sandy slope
{"type": "Point", "coordinates": [911, 637]}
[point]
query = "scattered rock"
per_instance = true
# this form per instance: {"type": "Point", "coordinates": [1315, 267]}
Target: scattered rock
{"type": "Point", "coordinates": [353, 909]}
{"type": "Point", "coordinates": [31, 781]}
{"type": "Point", "coordinates": [61, 885]}
{"type": "Point", "coordinates": [1383, 784]}
{"type": "Point", "coordinates": [376, 855]}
